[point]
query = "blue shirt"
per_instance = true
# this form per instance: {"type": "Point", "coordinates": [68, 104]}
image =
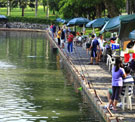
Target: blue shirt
{"type": "Point", "coordinates": [94, 44]}
{"type": "Point", "coordinates": [117, 77]}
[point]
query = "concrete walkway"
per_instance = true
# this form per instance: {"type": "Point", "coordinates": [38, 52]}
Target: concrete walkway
{"type": "Point", "coordinates": [100, 77]}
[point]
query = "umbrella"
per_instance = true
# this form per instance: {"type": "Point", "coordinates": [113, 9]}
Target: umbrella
{"type": "Point", "coordinates": [2, 17]}
{"type": "Point", "coordinates": [97, 23]}
{"type": "Point", "coordinates": [132, 35]}
{"type": "Point", "coordinates": [100, 22]}
{"type": "Point", "coordinates": [112, 25]}
{"type": "Point", "coordinates": [58, 19]}
{"type": "Point", "coordinates": [77, 21]}
{"type": "Point", "coordinates": [88, 25]}
{"type": "Point", "coordinates": [127, 24]}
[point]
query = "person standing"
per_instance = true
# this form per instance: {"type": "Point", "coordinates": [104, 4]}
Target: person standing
{"type": "Point", "coordinates": [117, 82]}
{"type": "Point", "coordinates": [58, 36]}
{"type": "Point", "coordinates": [62, 37]}
{"type": "Point", "coordinates": [70, 42]}
{"type": "Point", "coordinates": [54, 30]}
{"type": "Point", "coordinates": [100, 41]}
{"type": "Point", "coordinates": [94, 46]}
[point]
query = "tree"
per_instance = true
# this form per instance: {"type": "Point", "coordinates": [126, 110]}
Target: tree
{"type": "Point", "coordinates": [130, 6]}
{"type": "Point", "coordinates": [31, 4]}
{"type": "Point", "coordinates": [36, 7]}
{"type": "Point", "coordinates": [44, 4]}
{"type": "Point", "coordinates": [54, 5]}
{"type": "Point", "coordinates": [47, 12]}
{"type": "Point", "coordinates": [23, 4]}
{"type": "Point", "coordinates": [8, 7]}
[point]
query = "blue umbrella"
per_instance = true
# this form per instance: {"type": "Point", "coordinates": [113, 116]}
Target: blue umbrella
{"type": "Point", "coordinates": [2, 17]}
{"type": "Point", "coordinates": [77, 21]}
{"type": "Point", "coordinates": [112, 25]}
{"type": "Point", "coordinates": [100, 22]}
{"type": "Point", "coordinates": [58, 19]}
{"type": "Point", "coordinates": [88, 25]}
{"type": "Point", "coordinates": [132, 35]}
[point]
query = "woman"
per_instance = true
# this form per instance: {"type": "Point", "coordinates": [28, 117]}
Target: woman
{"type": "Point", "coordinates": [117, 82]}
{"type": "Point", "coordinates": [58, 36]}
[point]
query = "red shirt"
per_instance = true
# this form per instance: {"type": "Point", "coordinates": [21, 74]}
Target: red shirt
{"type": "Point", "coordinates": [70, 38]}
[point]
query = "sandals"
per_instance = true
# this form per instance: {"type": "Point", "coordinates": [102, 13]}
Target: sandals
{"type": "Point", "coordinates": [90, 63]}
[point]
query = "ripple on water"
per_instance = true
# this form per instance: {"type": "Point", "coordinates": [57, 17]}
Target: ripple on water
{"type": "Point", "coordinates": [6, 65]}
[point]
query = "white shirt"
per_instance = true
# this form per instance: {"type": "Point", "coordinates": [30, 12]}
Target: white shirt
{"type": "Point", "coordinates": [100, 43]}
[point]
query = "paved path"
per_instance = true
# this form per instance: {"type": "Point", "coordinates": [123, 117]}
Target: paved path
{"type": "Point", "coordinates": [100, 77]}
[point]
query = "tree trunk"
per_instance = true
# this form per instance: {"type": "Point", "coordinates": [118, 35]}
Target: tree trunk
{"type": "Point", "coordinates": [98, 10]}
{"type": "Point", "coordinates": [44, 8]}
{"type": "Point", "coordinates": [129, 6]}
{"type": "Point", "coordinates": [36, 7]}
{"type": "Point", "coordinates": [47, 12]}
{"type": "Point", "coordinates": [8, 8]}
{"type": "Point", "coordinates": [22, 12]}
{"type": "Point", "coordinates": [53, 12]}
{"type": "Point", "coordinates": [111, 8]}
{"type": "Point", "coordinates": [133, 6]}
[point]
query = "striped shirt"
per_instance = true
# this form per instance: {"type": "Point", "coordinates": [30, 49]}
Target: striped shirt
{"type": "Point", "coordinates": [128, 82]}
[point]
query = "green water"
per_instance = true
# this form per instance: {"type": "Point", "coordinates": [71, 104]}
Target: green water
{"type": "Point", "coordinates": [33, 88]}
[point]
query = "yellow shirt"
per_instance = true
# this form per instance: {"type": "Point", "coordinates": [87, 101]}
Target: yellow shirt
{"type": "Point", "coordinates": [59, 34]}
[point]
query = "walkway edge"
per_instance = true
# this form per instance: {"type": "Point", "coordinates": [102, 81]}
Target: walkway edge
{"type": "Point", "coordinates": [90, 92]}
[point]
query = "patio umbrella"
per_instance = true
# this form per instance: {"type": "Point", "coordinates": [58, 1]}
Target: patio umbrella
{"type": "Point", "coordinates": [112, 25]}
{"type": "Point", "coordinates": [2, 17]}
{"type": "Point", "coordinates": [77, 21]}
{"type": "Point", "coordinates": [127, 24]}
{"type": "Point", "coordinates": [97, 23]}
{"type": "Point", "coordinates": [89, 24]}
{"type": "Point", "coordinates": [132, 35]}
{"type": "Point", "coordinates": [58, 19]}
{"type": "Point", "coordinates": [100, 22]}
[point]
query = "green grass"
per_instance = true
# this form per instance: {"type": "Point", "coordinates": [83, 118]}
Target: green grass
{"type": "Point", "coordinates": [29, 15]}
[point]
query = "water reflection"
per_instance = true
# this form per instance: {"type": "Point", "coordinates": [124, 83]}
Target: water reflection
{"type": "Point", "coordinates": [32, 86]}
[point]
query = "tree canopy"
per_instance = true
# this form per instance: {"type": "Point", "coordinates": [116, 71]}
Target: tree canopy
{"type": "Point", "coordinates": [77, 8]}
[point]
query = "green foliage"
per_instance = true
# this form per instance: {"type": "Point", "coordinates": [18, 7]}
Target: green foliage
{"type": "Point", "coordinates": [31, 20]}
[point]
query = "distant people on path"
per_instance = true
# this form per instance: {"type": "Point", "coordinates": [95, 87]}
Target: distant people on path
{"type": "Point", "coordinates": [59, 36]}
{"type": "Point", "coordinates": [117, 82]}
{"type": "Point", "coordinates": [70, 42]}
{"type": "Point", "coordinates": [62, 37]}
{"type": "Point", "coordinates": [51, 29]}
{"type": "Point", "coordinates": [88, 43]}
{"type": "Point", "coordinates": [100, 50]}
{"type": "Point", "coordinates": [54, 31]}
{"type": "Point", "coordinates": [65, 32]}
{"type": "Point", "coordinates": [94, 46]}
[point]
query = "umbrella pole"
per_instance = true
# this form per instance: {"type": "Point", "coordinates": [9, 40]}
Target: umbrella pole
{"type": "Point", "coordinates": [93, 30]}
{"type": "Point", "coordinates": [75, 29]}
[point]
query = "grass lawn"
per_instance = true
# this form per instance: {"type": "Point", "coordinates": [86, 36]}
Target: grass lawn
{"type": "Point", "coordinates": [28, 13]}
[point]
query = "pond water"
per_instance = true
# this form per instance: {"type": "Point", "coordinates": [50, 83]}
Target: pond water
{"type": "Point", "coordinates": [33, 88]}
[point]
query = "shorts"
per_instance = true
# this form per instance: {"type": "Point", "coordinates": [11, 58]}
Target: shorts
{"type": "Point", "coordinates": [93, 53]}
{"type": "Point", "coordinates": [116, 92]}
{"type": "Point", "coordinates": [62, 40]}
{"type": "Point", "coordinates": [87, 45]}
{"type": "Point", "coordinates": [110, 91]}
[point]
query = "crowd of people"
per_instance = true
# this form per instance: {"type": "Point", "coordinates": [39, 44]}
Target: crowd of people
{"type": "Point", "coordinates": [95, 46]}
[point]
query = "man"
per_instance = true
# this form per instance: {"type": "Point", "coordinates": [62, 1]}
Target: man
{"type": "Point", "coordinates": [94, 46]}
{"type": "Point", "coordinates": [70, 42]}
{"type": "Point", "coordinates": [54, 31]}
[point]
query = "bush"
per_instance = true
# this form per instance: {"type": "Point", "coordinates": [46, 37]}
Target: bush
{"type": "Point", "coordinates": [31, 20]}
